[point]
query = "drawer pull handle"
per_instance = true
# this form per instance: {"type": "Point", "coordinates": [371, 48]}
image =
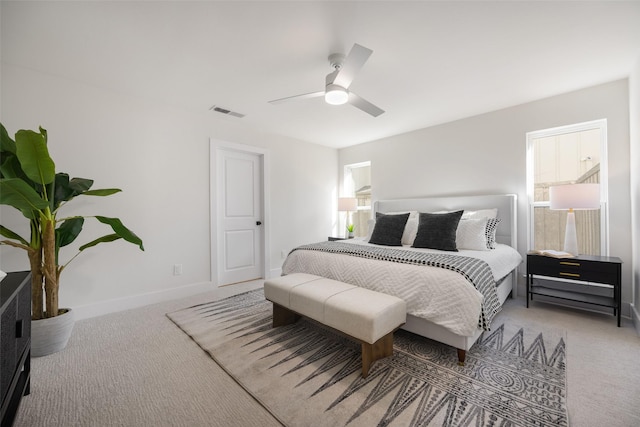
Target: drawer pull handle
{"type": "Point", "coordinates": [569, 274]}
{"type": "Point", "coordinates": [576, 264]}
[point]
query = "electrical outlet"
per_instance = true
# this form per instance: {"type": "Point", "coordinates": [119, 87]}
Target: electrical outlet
{"type": "Point", "coordinates": [283, 254]}
{"type": "Point", "coordinates": [177, 269]}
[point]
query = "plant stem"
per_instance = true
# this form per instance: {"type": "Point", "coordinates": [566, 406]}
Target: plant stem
{"type": "Point", "coordinates": [49, 267]}
{"type": "Point", "coordinates": [35, 260]}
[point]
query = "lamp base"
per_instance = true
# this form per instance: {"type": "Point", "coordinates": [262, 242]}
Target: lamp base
{"type": "Point", "coordinates": [570, 235]}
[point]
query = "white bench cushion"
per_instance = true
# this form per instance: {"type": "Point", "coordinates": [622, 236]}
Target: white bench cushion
{"type": "Point", "coordinates": [277, 290]}
{"type": "Point", "coordinates": [311, 298]}
{"type": "Point", "coordinates": [365, 314]}
{"type": "Point", "coordinates": [361, 313]}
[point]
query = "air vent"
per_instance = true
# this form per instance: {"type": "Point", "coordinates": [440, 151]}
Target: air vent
{"type": "Point", "coordinates": [221, 110]}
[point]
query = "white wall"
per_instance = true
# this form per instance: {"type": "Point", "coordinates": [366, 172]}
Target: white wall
{"type": "Point", "coordinates": [486, 154]}
{"type": "Point", "coordinates": [634, 115]}
{"type": "Point", "coordinates": [159, 156]}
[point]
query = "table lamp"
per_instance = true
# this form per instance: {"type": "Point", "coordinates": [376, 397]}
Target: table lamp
{"type": "Point", "coordinates": [347, 204]}
{"type": "Point", "coordinates": [573, 197]}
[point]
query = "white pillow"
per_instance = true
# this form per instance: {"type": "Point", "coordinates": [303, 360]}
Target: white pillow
{"type": "Point", "coordinates": [482, 213]}
{"type": "Point", "coordinates": [471, 234]}
{"type": "Point", "coordinates": [371, 224]}
{"type": "Point", "coordinates": [410, 228]}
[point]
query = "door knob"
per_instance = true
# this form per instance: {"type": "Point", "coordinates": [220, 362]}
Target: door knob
{"type": "Point", "coordinates": [258, 222]}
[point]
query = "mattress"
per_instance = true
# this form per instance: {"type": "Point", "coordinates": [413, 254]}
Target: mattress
{"type": "Point", "coordinates": [439, 295]}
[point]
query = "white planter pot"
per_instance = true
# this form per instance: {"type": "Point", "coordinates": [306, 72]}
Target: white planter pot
{"type": "Point", "coordinates": [51, 335]}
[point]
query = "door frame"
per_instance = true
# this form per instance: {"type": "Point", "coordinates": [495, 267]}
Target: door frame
{"type": "Point", "coordinates": [263, 154]}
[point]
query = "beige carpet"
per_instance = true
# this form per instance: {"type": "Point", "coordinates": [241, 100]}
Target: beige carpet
{"type": "Point", "coordinates": [136, 368]}
{"type": "Point", "coordinates": [514, 375]}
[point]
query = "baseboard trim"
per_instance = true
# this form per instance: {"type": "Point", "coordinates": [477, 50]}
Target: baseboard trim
{"type": "Point", "coordinates": [635, 317]}
{"type": "Point", "coordinates": [135, 301]}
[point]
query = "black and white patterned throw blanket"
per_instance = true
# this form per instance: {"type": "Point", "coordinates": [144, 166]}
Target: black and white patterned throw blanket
{"type": "Point", "coordinates": [476, 271]}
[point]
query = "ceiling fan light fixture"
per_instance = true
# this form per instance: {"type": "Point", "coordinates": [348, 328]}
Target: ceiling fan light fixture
{"type": "Point", "coordinates": [336, 95]}
{"type": "Point", "coordinates": [338, 82]}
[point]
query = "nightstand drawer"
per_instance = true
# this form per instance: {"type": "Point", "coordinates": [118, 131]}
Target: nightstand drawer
{"type": "Point", "coordinates": [576, 269]}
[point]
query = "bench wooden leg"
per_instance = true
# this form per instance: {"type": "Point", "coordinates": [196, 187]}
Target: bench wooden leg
{"type": "Point", "coordinates": [462, 354]}
{"type": "Point", "coordinates": [372, 352]}
{"type": "Point", "coordinates": [283, 316]}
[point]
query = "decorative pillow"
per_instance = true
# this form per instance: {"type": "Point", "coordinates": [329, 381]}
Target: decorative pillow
{"type": "Point", "coordinates": [437, 231]}
{"type": "Point", "coordinates": [492, 226]}
{"type": "Point", "coordinates": [410, 228]}
{"type": "Point", "coordinates": [388, 229]}
{"type": "Point", "coordinates": [471, 234]}
{"type": "Point", "coordinates": [482, 213]}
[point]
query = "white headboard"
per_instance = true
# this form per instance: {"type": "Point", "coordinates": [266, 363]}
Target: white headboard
{"type": "Point", "coordinates": [507, 205]}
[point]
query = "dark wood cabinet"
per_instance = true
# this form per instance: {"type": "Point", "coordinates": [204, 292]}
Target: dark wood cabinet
{"type": "Point", "coordinates": [590, 279]}
{"type": "Point", "coordinates": [15, 343]}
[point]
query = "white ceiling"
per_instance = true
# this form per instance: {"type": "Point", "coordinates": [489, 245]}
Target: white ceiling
{"type": "Point", "coordinates": [432, 62]}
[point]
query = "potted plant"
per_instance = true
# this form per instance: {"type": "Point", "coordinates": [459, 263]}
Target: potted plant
{"type": "Point", "coordinates": [29, 183]}
{"type": "Point", "coordinates": [350, 228]}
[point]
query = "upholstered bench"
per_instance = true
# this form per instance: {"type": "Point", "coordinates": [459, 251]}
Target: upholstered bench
{"type": "Point", "coordinates": [369, 317]}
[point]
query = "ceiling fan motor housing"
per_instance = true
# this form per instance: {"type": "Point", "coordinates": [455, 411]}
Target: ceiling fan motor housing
{"type": "Point", "coordinates": [336, 95]}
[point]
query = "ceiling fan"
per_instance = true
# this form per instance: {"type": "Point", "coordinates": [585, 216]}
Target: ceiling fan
{"type": "Point", "coordinates": [337, 82]}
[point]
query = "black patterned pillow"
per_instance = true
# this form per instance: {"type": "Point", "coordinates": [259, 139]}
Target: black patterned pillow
{"type": "Point", "coordinates": [438, 231]}
{"type": "Point", "coordinates": [388, 229]}
{"type": "Point", "coordinates": [490, 232]}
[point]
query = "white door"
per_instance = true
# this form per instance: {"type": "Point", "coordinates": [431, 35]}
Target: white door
{"type": "Point", "coordinates": [240, 230]}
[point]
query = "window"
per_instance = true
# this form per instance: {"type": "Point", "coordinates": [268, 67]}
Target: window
{"type": "Point", "coordinates": [567, 155]}
{"type": "Point", "coordinates": [357, 183]}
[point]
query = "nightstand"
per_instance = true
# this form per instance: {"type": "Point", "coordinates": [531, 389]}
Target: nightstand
{"type": "Point", "coordinates": [333, 239]}
{"type": "Point", "coordinates": [595, 280]}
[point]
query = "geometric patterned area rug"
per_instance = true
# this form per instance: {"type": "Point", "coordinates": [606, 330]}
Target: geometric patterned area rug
{"type": "Point", "coordinates": [306, 375]}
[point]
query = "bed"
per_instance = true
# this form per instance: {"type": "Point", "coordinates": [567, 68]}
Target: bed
{"type": "Point", "coordinates": [451, 296]}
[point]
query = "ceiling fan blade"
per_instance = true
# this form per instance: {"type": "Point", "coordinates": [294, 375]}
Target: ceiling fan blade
{"type": "Point", "coordinates": [331, 77]}
{"type": "Point", "coordinates": [352, 64]}
{"type": "Point", "coordinates": [296, 97]}
{"type": "Point", "coordinates": [364, 105]}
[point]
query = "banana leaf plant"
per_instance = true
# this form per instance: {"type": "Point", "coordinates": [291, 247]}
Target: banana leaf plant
{"type": "Point", "coordinates": [29, 183]}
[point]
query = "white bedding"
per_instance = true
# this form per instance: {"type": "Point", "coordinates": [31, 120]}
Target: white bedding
{"type": "Point", "coordinates": [439, 295]}
{"type": "Point", "coordinates": [502, 260]}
